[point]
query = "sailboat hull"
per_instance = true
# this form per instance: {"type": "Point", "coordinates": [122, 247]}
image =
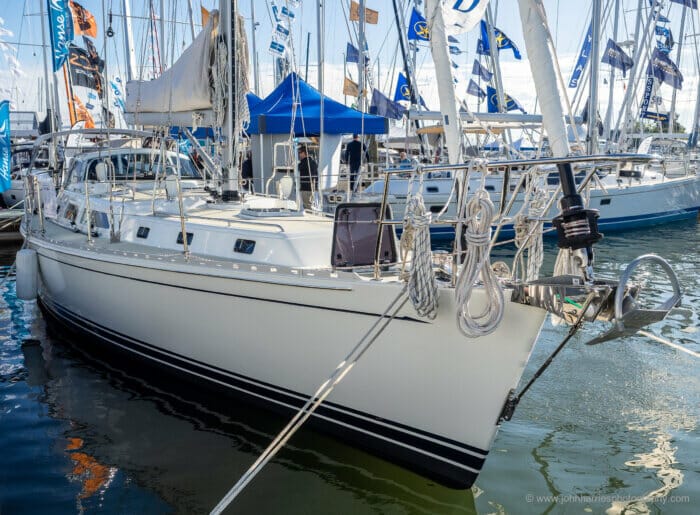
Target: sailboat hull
{"type": "Point", "coordinates": [423, 396]}
{"type": "Point", "coordinates": [625, 206]}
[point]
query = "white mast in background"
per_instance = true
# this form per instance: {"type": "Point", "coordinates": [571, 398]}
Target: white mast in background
{"type": "Point", "coordinates": [129, 49]}
{"type": "Point", "coordinates": [536, 36]}
{"type": "Point", "coordinates": [443, 74]}
{"type": "Point", "coordinates": [593, 86]}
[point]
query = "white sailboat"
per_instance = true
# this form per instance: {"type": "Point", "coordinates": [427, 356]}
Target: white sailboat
{"type": "Point", "coordinates": [258, 298]}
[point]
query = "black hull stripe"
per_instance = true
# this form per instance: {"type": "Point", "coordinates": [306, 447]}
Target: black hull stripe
{"type": "Point", "coordinates": [158, 353]}
{"type": "Point", "coordinates": [225, 294]}
{"type": "Point", "coordinates": [466, 458]}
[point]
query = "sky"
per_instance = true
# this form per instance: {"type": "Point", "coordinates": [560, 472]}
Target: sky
{"type": "Point", "coordinates": [568, 19]}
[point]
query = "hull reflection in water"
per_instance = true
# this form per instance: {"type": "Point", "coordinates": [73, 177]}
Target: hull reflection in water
{"type": "Point", "coordinates": [187, 449]}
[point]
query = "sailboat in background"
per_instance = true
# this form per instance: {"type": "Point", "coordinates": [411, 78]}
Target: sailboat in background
{"type": "Point", "coordinates": [631, 192]}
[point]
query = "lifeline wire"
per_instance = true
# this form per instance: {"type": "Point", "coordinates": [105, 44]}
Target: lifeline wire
{"type": "Point", "coordinates": [314, 401]}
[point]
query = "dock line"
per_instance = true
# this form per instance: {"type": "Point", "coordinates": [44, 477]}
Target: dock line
{"type": "Point", "coordinates": [315, 400]}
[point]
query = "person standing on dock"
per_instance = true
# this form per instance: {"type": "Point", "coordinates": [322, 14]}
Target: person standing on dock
{"type": "Point", "coordinates": [308, 176]}
{"type": "Point", "coordinates": [353, 155]}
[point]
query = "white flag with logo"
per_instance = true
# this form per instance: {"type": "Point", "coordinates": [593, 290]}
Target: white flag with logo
{"type": "Point", "coordinates": [462, 15]}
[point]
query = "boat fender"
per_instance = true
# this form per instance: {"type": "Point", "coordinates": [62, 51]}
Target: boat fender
{"type": "Point", "coordinates": [27, 276]}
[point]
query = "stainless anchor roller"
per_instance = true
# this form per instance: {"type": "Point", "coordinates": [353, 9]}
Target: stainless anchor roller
{"type": "Point", "coordinates": [629, 318]}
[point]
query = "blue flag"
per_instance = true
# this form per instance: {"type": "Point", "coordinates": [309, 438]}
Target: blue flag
{"type": "Point", "coordinates": [418, 27]}
{"type": "Point", "coordinates": [662, 47]}
{"type": "Point", "coordinates": [403, 92]}
{"type": "Point", "coordinates": [454, 50]}
{"type": "Point", "coordinates": [474, 89]}
{"type": "Point", "coordinates": [651, 115]}
{"type": "Point", "coordinates": [5, 161]}
{"type": "Point", "coordinates": [452, 39]}
{"type": "Point", "coordinates": [61, 29]}
{"type": "Point", "coordinates": [616, 57]}
{"type": "Point", "coordinates": [503, 42]}
{"type": "Point", "coordinates": [481, 71]}
{"type": "Point", "coordinates": [352, 54]}
{"type": "Point", "coordinates": [662, 31]}
{"type": "Point", "coordinates": [511, 103]}
{"type": "Point", "coordinates": [383, 106]}
{"type": "Point", "coordinates": [693, 4]}
{"type": "Point", "coordinates": [661, 18]}
{"type": "Point", "coordinates": [582, 58]}
{"type": "Point", "coordinates": [665, 70]}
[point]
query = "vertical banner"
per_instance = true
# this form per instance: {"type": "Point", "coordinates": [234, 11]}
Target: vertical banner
{"type": "Point", "coordinates": [648, 89]}
{"type": "Point", "coordinates": [61, 28]}
{"type": "Point", "coordinates": [5, 161]}
{"type": "Point", "coordinates": [582, 58]}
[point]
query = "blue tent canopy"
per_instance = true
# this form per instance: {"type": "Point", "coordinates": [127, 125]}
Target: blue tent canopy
{"type": "Point", "coordinates": [295, 101]}
{"type": "Point", "coordinates": [253, 100]}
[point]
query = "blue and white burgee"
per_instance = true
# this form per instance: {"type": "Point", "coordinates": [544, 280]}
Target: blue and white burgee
{"type": "Point", "coordinates": [418, 27]}
{"type": "Point", "coordinates": [503, 42]}
{"type": "Point", "coordinates": [5, 157]}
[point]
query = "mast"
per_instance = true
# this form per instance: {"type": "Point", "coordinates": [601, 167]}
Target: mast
{"type": "Point", "coordinates": [493, 51]}
{"type": "Point", "coordinates": [611, 92]}
{"type": "Point", "coordinates": [190, 16]}
{"type": "Point", "coordinates": [49, 111]}
{"type": "Point", "coordinates": [321, 20]}
{"type": "Point", "coordinates": [254, 26]}
{"type": "Point", "coordinates": [593, 87]}
{"type": "Point", "coordinates": [361, 60]}
{"type": "Point", "coordinates": [693, 139]}
{"type": "Point", "coordinates": [228, 19]}
{"type": "Point", "coordinates": [679, 44]}
{"type": "Point", "coordinates": [164, 57]}
{"type": "Point", "coordinates": [630, 93]}
{"type": "Point", "coordinates": [498, 79]}
{"type": "Point", "coordinates": [443, 71]}
{"type": "Point", "coordinates": [544, 74]}
{"type": "Point", "coordinates": [129, 49]}
{"type": "Point", "coordinates": [407, 68]}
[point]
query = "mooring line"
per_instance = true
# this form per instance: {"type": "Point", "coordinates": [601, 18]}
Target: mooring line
{"type": "Point", "coordinates": [314, 400]}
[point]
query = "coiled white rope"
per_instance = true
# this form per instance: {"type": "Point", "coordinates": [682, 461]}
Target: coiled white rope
{"type": "Point", "coordinates": [220, 81]}
{"type": "Point", "coordinates": [477, 214]}
{"type": "Point", "coordinates": [422, 287]}
{"type": "Point", "coordinates": [528, 229]}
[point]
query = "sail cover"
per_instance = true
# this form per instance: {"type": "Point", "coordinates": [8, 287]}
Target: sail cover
{"type": "Point", "coordinates": [186, 86]}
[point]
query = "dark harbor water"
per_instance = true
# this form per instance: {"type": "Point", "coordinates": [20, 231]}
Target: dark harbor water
{"type": "Point", "coordinates": [607, 429]}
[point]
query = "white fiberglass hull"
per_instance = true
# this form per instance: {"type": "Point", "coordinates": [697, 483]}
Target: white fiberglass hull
{"type": "Point", "coordinates": [423, 395]}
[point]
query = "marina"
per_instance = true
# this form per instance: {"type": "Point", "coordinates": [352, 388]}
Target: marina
{"type": "Point", "coordinates": [226, 291]}
{"type": "Point", "coordinates": [610, 422]}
